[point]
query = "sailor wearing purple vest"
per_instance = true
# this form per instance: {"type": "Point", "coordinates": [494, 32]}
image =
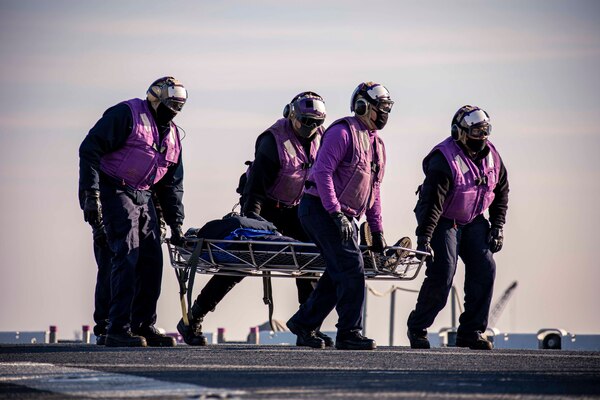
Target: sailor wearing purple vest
{"type": "Point", "coordinates": [132, 151]}
{"type": "Point", "coordinates": [271, 189]}
{"type": "Point", "coordinates": [464, 177]}
{"type": "Point", "coordinates": [343, 185]}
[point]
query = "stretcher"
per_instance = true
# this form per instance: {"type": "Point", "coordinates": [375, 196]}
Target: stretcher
{"type": "Point", "coordinates": [271, 259]}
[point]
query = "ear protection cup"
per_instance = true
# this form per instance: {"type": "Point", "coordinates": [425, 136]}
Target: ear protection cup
{"type": "Point", "coordinates": [455, 131]}
{"type": "Point", "coordinates": [360, 107]}
{"type": "Point", "coordinates": [286, 111]}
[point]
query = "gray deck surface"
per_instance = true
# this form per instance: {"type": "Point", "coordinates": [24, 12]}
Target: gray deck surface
{"type": "Point", "coordinates": [247, 371]}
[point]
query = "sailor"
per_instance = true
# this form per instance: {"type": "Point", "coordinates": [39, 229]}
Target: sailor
{"type": "Point", "coordinates": [134, 149]}
{"type": "Point", "coordinates": [271, 189]}
{"type": "Point", "coordinates": [464, 177]}
{"type": "Point", "coordinates": [343, 185]}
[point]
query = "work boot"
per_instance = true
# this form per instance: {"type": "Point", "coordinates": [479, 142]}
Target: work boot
{"type": "Point", "coordinates": [154, 338]}
{"type": "Point", "coordinates": [328, 340]}
{"type": "Point", "coordinates": [304, 336]}
{"type": "Point", "coordinates": [125, 339]}
{"type": "Point", "coordinates": [474, 341]}
{"type": "Point", "coordinates": [353, 340]}
{"type": "Point", "coordinates": [418, 339]}
{"type": "Point", "coordinates": [192, 333]}
{"type": "Point", "coordinates": [101, 340]}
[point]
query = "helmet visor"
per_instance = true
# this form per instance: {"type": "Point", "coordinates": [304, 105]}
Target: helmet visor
{"type": "Point", "coordinates": [380, 97]}
{"type": "Point", "coordinates": [475, 117]}
{"type": "Point", "coordinates": [176, 97]}
{"type": "Point", "coordinates": [310, 107]}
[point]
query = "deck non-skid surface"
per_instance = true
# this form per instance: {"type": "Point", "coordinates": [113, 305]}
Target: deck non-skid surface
{"type": "Point", "coordinates": [247, 371]}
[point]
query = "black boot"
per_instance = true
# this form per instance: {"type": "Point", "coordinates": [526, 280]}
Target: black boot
{"type": "Point", "coordinates": [125, 339]}
{"type": "Point", "coordinates": [328, 340]}
{"type": "Point", "coordinates": [101, 340]}
{"type": "Point", "coordinates": [154, 338]}
{"type": "Point", "coordinates": [353, 340]}
{"type": "Point", "coordinates": [304, 336]}
{"type": "Point", "coordinates": [474, 341]}
{"type": "Point", "coordinates": [418, 339]}
{"type": "Point", "coordinates": [192, 333]}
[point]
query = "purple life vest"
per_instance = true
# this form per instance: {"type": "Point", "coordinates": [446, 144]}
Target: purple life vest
{"type": "Point", "coordinates": [142, 161]}
{"type": "Point", "coordinates": [355, 180]}
{"type": "Point", "coordinates": [294, 162]}
{"type": "Point", "coordinates": [473, 189]}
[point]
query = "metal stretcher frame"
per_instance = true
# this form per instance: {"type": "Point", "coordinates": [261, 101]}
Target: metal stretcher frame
{"type": "Point", "coordinates": [266, 259]}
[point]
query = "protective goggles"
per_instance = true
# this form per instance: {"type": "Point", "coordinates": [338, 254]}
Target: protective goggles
{"type": "Point", "coordinates": [477, 124]}
{"type": "Point", "coordinates": [310, 121]}
{"type": "Point", "coordinates": [479, 131]}
{"type": "Point", "coordinates": [384, 105]}
{"type": "Point", "coordinates": [380, 98]}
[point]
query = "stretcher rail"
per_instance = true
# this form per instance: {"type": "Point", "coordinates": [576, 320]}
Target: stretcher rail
{"type": "Point", "coordinates": [284, 259]}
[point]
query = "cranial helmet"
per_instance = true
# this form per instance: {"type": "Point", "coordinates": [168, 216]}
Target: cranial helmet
{"type": "Point", "coordinates": [306, 104]}
{"type": "Point", "coordinates": [373, 94]}
{"type": "Point", "coordinates": [168, 91]}
{"type": "Point", "coordinates": [472, 122]}
{"type": "Point", "coordinates": [308, 108]}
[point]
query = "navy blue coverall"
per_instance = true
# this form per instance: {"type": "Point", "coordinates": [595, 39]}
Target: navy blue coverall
{"type": "Point", "coordinates": [450, 241]}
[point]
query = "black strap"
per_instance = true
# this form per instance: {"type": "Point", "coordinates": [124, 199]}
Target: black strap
{"type": "Point", "coordinates": [268, 296]}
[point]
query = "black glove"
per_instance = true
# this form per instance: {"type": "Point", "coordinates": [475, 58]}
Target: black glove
{"type": "Point", "coordinates": [495, 239]}
{"type": "Point", "coordinates": [100, 238]}
{"type": "Point", "coordinates": [424, 245]}
{"type": "Point", "coordinates": [177, 238]}
{"type": "Point", "coordinates": [378, 241]}
{"type": "Point", "coordinates": [162, 226]}
{"type": "Point", "coordinates": [254, 215]}
{"type": "Point", "coordinates": [92, 210]}
{"type": "Point", "coordinates": [344, 225]}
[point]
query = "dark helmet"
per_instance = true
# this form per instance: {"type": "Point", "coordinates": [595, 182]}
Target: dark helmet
{"type": "Point", "coordinates": [309, 109]}
{"type": "Point", "coordinates": [370, 93]}
{"type": "Point", "coordinates": [306, 104]}
{"type": "Point", "coordinates": [471, 121]}
{"type": "Point", "coordinates": [168, 91]}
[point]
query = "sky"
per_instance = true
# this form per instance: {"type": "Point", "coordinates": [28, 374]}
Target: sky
{"type": "Point", "coordinates": [532, 65]}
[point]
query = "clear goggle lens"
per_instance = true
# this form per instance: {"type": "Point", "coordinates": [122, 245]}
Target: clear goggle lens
{"type": "Point", "coordinates": [385, 106]}
{"type": "Point", "coordinates": [311, 122]}
{"type": "Point", "coordinates": [174, 104]}
{"type": "Point", "coordinates": [480, 131]}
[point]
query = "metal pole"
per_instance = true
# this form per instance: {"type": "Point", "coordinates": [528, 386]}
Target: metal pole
{"type": "Point", "coordinates": [364, 313]}
{"type": "Point", "coordinates": [392, 313]}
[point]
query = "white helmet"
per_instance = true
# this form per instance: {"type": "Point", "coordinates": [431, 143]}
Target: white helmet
{"type": "Point", "coordinates": [168, 91]}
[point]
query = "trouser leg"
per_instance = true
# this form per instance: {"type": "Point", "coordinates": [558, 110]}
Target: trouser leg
{"type": "Point", "coordinates": [480, 273]}
{"type": "Point", "coordinates": [342, 284]}
{"type": "Point", "coordinates": [121, 217]}
{"type": "Point", "coordinates": [213, 292]}
{"type": "Point", "coordinates": [287, 222]}
{"type": "Point", "coordinates": [148, 274]}
{"type": "Point", "coordinates": [103, 256]}
{"type": "Point", "coordinates": [439, 274]}
{"type": "Point", "coordinates": [305, 288]}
